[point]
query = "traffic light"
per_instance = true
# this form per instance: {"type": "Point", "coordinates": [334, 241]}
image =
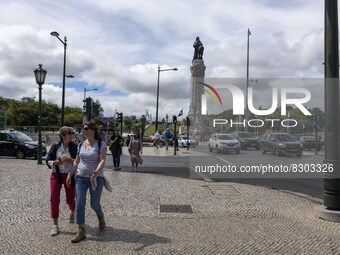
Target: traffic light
{"type": "Point", "coordinates": [95, 109]}
{"type": "Point", "coordinates": [120, 116]}
{"type": "Point", "coordinates": [84, 105]}
{"type": "Point", "coordinates": [174, 119]}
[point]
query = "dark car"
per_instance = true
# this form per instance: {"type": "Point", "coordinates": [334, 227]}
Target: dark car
{"type": "Point", "coordinates": [246, 140]}
{"type": "Point", "coordinates": [280, 143]}
{"type": "Point", "coordinates": [310, 142]}
{"type": "Point", "coordinates": [19, 145]}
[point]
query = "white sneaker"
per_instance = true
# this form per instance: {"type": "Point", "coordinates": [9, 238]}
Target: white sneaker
{"type": "Point", "coordinates": [55, 230]}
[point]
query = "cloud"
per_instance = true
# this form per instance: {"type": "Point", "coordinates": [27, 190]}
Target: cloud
{"type": "Point", "coordinates": [116, 47]}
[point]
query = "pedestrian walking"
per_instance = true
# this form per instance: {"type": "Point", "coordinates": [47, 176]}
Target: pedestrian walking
{"type": "Point", "coordinates": [167, 135]}
{"type": "Point", "coordinates": [60, 159]}
{"type": "Point", "coordinates": [135, 149]}
{"type": "Point", "coordinates": [116, 143]}
{"type": "Point", "coordinates": [157, 138]}
{"type": "Point", "coordinates": [128, 139]}
{"type": "Point", "coordinates": [88, 170]}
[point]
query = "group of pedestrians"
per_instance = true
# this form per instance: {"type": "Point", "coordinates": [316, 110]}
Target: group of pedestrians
{"type": "Point", "coordinates": [135, 148]}
{"type": "Point", "coordinates": [167, 136]}
{"type": "Point", "coordinates": [79, 168]}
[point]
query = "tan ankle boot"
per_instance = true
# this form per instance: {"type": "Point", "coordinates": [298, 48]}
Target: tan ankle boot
{"type": "Point", "coordinates": [101, 221]}
{"type": "Point", "coordinates": [81, 234]}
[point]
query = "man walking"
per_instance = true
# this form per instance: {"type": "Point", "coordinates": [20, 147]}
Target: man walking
{"type": "Point", "coordinates": [167, 136]}
{"type": "Point", "coordinates": [157, 138]}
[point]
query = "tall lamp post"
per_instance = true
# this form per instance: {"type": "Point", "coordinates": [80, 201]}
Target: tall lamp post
{"type": "Point", "coordinates": [246, 115]}
{"type": "Point", "coordinates": [40, 75]}
{"type": "Point", "coordinates": [85, 90]}
{"type": "Point", "coordinates": [56, 34]}
{"type": "Point", "coordinates": [143, 118]}
{"type": "Point", "coordinates": [332, 120]}
{"type": "Point", "coordinates": [159, 71]}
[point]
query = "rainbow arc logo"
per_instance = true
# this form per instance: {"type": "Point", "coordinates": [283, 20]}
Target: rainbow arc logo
{"type": "Point", "coordinates": [211, 91]}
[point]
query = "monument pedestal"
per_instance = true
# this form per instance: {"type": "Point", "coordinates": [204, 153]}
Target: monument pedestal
{"type": "Point", "coordinates": [198, 121]}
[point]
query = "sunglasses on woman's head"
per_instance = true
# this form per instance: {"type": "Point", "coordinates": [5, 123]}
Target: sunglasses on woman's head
{"type": "Point", "coordinates": [87, 128]}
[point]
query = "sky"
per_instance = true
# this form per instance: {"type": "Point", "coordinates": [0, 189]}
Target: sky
{"type": "Point", "coordinates": [116, 47]}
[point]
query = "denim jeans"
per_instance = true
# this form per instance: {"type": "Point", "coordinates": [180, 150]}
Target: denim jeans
{"type": "Point", "coordinates": [82, 185]}
{"type": "Point", "coordinates": [116, 157]}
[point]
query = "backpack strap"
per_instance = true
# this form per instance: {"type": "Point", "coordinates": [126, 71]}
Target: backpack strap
{"type": "Point", "coordinates": [99, 147]}
{"type": "Point", "coordinates": [79, 146]}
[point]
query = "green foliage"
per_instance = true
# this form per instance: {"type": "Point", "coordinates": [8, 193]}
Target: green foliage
{"type": "Point", "coordinates": [73, 116]}
{"type": "Point", "coordinates": [26, 114]}
{"type": "Point", "coordinates": [99, 106]}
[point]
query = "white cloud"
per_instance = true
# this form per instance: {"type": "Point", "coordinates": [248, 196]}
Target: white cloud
{"type": "Point", "coordinates": [116, 46]}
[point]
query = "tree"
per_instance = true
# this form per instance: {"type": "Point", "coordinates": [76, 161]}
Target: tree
{"type": "Point", "coordinates": [73, 116]}
{"type": "Point", "coordinates": [26, 114]}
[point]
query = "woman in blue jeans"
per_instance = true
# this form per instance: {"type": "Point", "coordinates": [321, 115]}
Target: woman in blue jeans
{"type": "Point", "coordinates": [88, 170]}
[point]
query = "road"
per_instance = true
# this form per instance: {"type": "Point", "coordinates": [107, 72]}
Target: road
{"type": "Point", "coordinates": [179, 166]}
{"type": "Point", "coordinates": [312, 185]}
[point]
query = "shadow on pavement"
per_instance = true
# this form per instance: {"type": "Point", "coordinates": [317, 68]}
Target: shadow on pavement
{"type": "Point", "coordinates": [110, 234]}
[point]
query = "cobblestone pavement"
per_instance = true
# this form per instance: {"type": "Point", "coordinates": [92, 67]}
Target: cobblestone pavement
{"type": "Point", "coordinates": [226, 219]}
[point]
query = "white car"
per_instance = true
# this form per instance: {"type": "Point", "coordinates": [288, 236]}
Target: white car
{"type": "Point", "coordinates": [224, 143]}
{"type": "Point", "coordinates": [183, 141]}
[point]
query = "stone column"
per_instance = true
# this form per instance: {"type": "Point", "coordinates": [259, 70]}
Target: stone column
{"type": "Point", "coordinates": [197, 75]}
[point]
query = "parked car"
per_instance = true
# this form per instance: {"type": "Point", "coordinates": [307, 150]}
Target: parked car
{"type": "Point", "coordinates": [246, 140]}
{"type": "Point", "coordinates": [309, 142]}
{"type": "Point", "coordinates": [19, 145]}
{"type": "Point", "coordinates": [224, 143]}
{"type": "Point", "coordinates": [183, 141]}
{"type": "Point", "coordinates": [280, 143]}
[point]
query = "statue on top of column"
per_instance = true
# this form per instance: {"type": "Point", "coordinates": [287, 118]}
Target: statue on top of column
{"type": "Point", "coordinates": [198, 46]}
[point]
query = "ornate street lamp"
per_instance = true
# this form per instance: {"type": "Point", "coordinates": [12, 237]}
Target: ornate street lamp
{"type": "Point", "coordinates": [40, 75]}
{"type": "Point", "coordinates": [160, 70]}
{"type": "Point", "coordinates": [56, 34]}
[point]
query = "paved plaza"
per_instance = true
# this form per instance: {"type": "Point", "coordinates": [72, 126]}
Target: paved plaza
{"type": "Point", "coordinates": [156, 214]}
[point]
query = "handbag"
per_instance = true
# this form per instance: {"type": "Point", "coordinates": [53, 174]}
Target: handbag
{"type": "Point", "coordinates": [107, 184]}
